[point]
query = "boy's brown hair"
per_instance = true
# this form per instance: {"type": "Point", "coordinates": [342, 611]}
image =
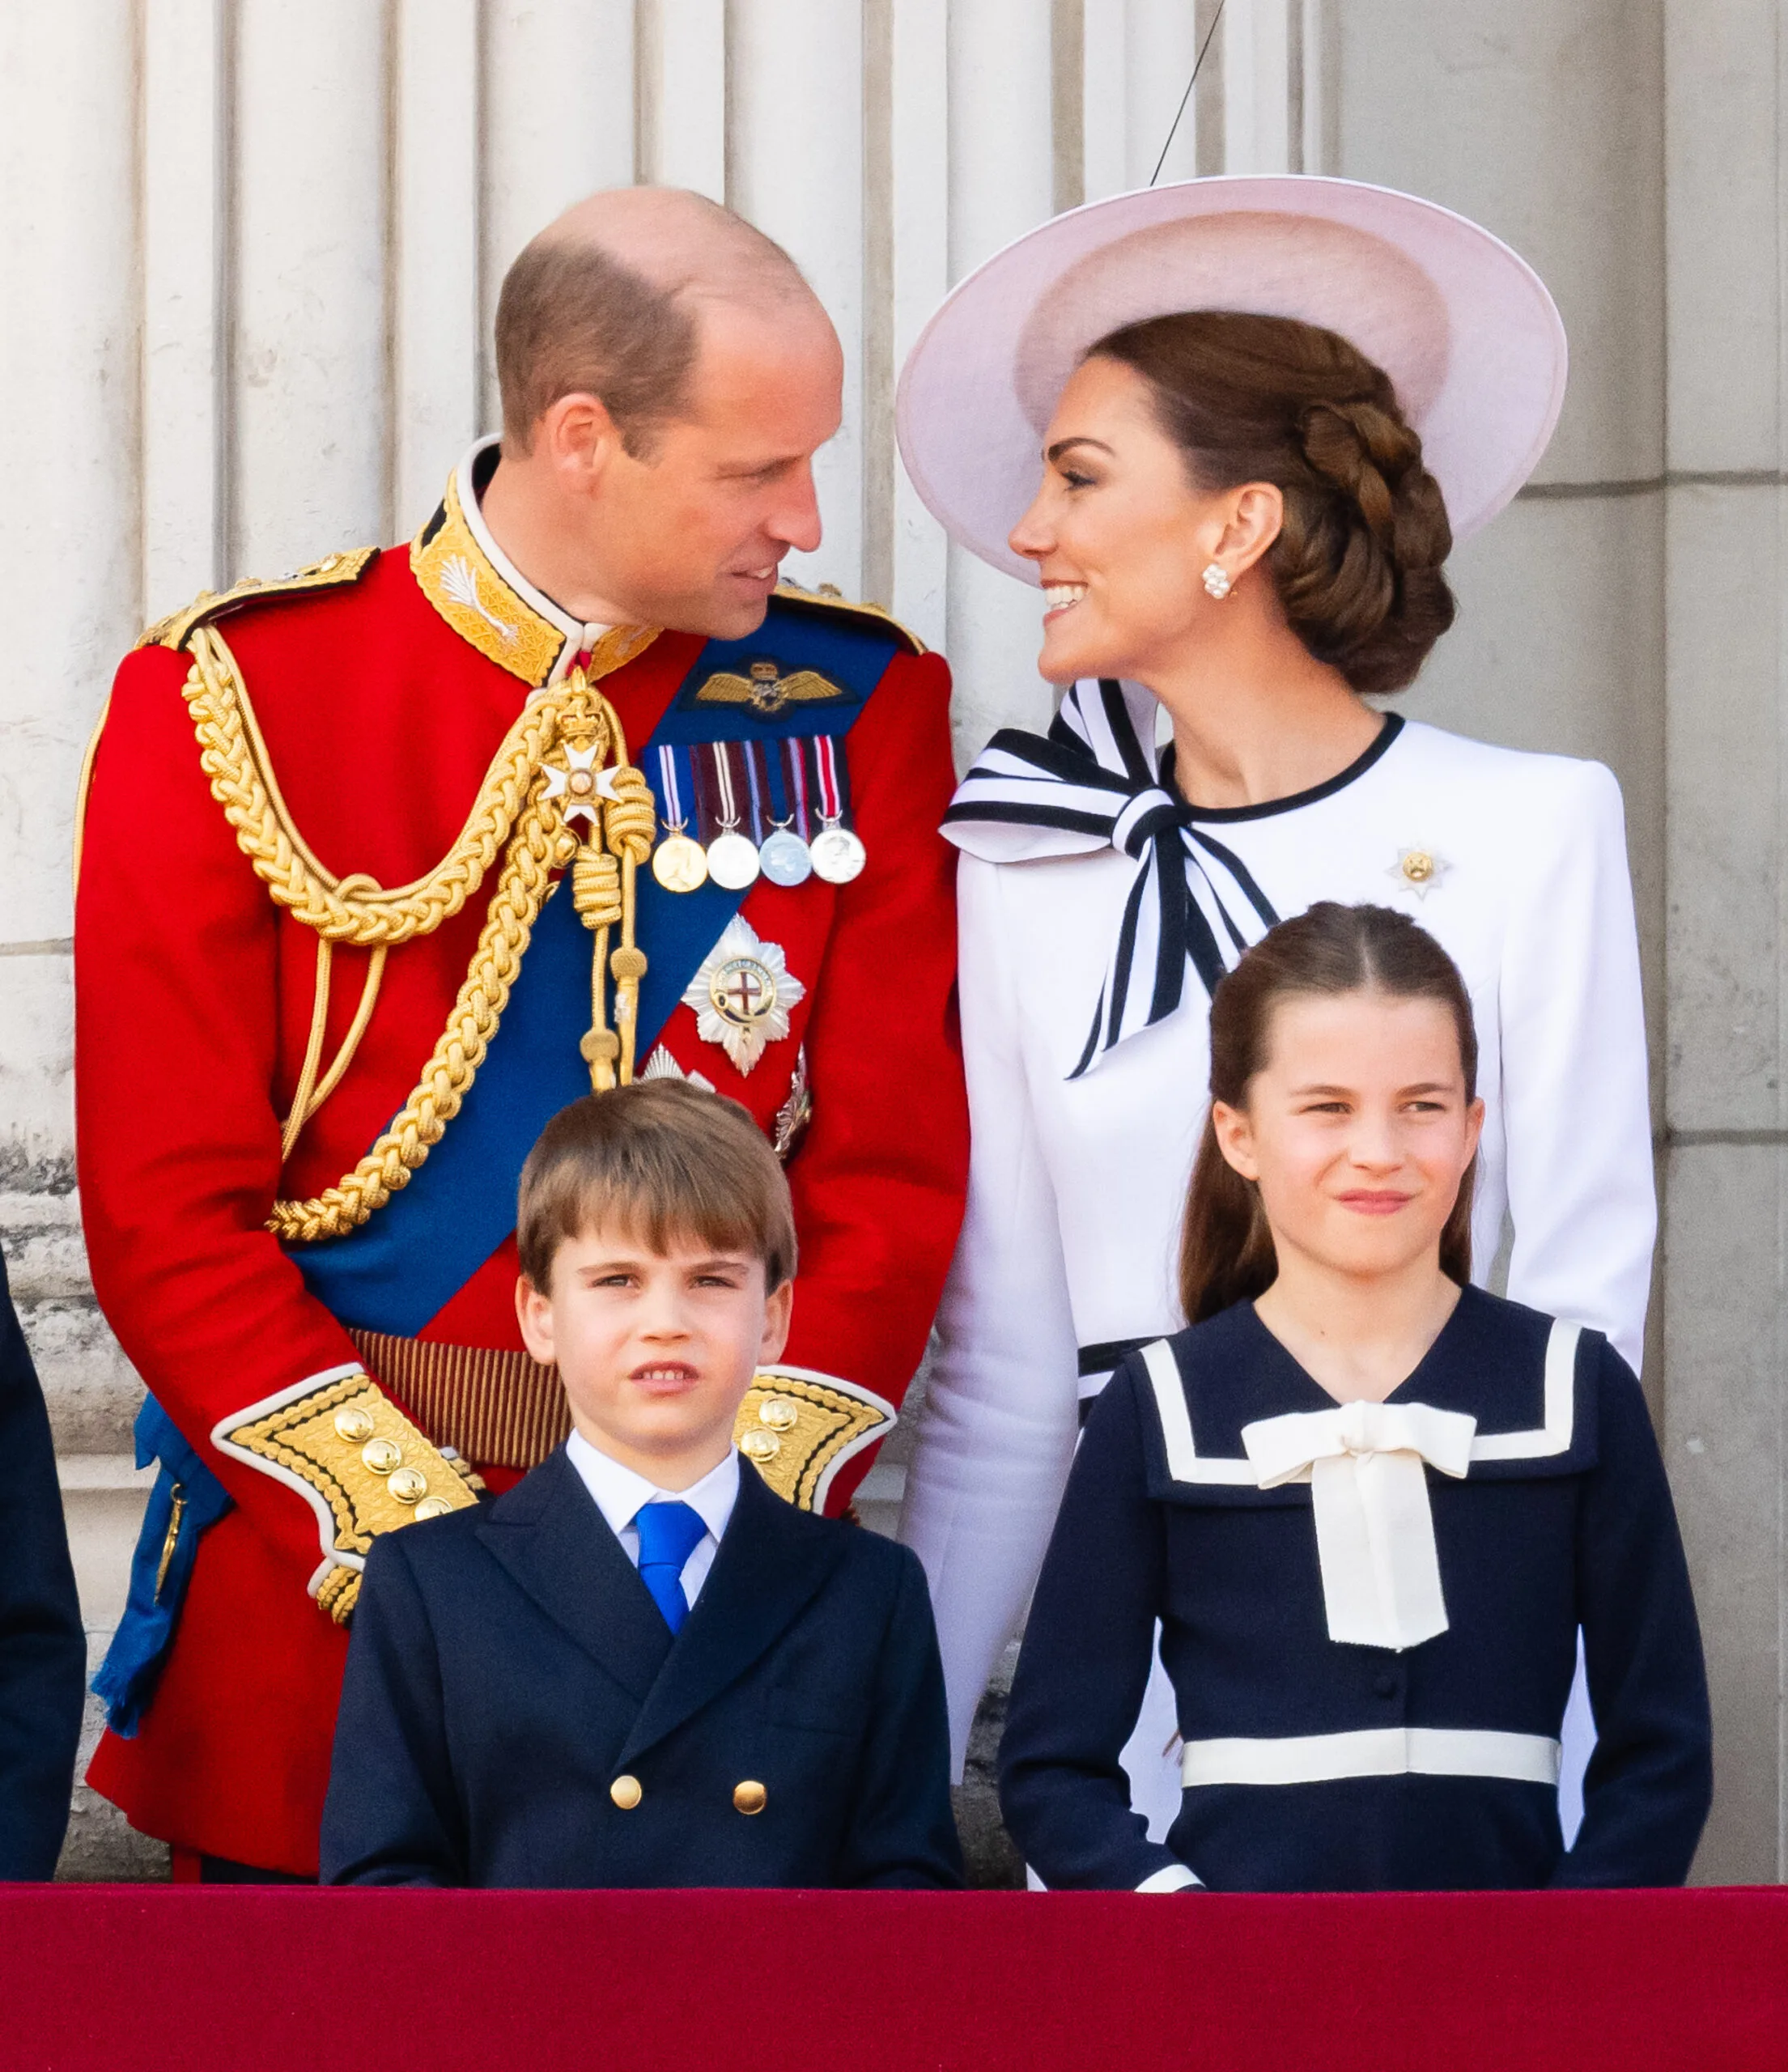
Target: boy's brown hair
{"type": "Point", "coordinates": [660, 1160]}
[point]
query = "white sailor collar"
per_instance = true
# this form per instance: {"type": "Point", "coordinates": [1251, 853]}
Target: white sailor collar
{"type": "Point", "coordinates": [488, 601]}
{"type": "Point", "coordinates": [1527, 1380]}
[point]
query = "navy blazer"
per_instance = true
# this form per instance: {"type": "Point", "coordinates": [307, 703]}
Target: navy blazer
{"type": "Point", "coordinates": [1564, 1520]}
{"type": "Point", "coordinates": [43, 1650]}
{"type": "Point", "coordinates": [508, 1667]}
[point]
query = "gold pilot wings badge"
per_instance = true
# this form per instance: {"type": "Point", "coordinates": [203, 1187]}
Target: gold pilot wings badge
{"type": "Point", "coordinates": [767, 691]}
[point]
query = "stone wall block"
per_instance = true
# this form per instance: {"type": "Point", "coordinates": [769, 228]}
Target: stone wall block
{"type": "Point", "coordinates": [1722, 1441]}
{"type": "Point", "coordinates": [1542, 120]}
{"type": "Point", "coordinates": [1723, 129]}
{"type": "Point", "coordinates": [1725, 859]}
{"type": "Point", "coordinates": [309, 347]}
{"type": "Point", "coordinates": [1558, 646]}
{"type": "Point", "coordinates": [36, 1072]}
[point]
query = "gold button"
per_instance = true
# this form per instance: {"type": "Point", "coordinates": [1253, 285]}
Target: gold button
{"type": "Point", "coordinates": [779, 1413]}
{"type": "Point", "coordinates": [750, 1797]}
{"type": "Point", "coordinates": [760, 1445]}
{"type": "Point", "coordinates": [382, 1455]}
{"type": "Point", "coordinates": [580, 782]}
{"type": "Point", "coordinates": [432, 1507]}
{"type": "Point", "coordinates": [409, 1485]}
{"type": "Point", "coordinates": [1418, 867]}
{"type": "Point", "coordinates": [625, 1793]}
{"type": "Point", "coordinates": [354, 1425]}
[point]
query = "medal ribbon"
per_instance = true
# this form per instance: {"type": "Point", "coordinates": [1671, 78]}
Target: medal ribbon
{"type": "Point", "coordinates": [753, 751]}
{"type": "Point", "coordinates": [728, 808]}
{"type": "Point", "coordinates": [672, 787]}
{"type": "Point", "coordinates": [796, 752]}
{"type": "Point", "coordinates": [832, 798]}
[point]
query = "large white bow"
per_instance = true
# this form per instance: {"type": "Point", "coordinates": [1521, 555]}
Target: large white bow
{"type": "Point", "coordinates": [1374, 1529]}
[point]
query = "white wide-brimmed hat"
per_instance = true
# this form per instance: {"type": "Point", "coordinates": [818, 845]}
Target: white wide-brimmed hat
{"type": "Point", "coordinates": [1464, 327]}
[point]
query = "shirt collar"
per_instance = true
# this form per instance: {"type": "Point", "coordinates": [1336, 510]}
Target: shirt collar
{"type": "Point", "coordinates": [620, 1494]}
{"type": "Point", "coordinates": [487, 601]}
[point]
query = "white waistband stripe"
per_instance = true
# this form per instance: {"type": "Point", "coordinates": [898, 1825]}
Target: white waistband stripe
{"type": "Point", "coordinates": [1378, 1751]}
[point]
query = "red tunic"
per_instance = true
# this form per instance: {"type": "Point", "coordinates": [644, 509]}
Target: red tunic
{"type": "Point", "coordinates": [193, 1004]}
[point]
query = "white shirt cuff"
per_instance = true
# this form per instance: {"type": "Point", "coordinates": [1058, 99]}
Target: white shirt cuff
{"type": "Point", "coordinates": [1176, 1878]}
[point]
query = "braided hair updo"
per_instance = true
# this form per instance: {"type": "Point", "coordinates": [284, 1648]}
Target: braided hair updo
{"type": "Point", "coordinates": [1357, 563]}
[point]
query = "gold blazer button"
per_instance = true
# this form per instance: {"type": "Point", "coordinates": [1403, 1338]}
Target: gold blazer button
{"type": "Point", "coordinates": [625, 1793]}
{"type": "Point", "coordinates": [750, 1797]}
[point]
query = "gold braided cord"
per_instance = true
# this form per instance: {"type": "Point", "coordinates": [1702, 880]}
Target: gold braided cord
{"type": "Point", "coordinates": [516, 808]}
{"type": "Point", "coordinates": [540, 845]}
{"type": "Point", "coordinates": [234, 757]}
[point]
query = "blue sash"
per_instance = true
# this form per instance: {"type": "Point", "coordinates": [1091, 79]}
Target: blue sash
{"type": "Point", "coordinates": [396, 1271]}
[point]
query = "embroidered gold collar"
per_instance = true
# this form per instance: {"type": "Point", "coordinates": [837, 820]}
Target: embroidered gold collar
{"type": "Point", "coordinates": [486, 600]}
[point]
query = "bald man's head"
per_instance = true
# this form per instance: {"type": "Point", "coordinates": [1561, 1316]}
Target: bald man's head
{"type": "Point", "coordinates": [610, 301]}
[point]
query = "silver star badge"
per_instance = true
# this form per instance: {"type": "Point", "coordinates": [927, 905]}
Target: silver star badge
{"type": "Point", "coordinates": [1418, 869]}
{"type": "Point", "coordinates": [742, 994]}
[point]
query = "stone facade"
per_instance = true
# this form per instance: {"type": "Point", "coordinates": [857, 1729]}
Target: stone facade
{"type": "Point", "coordinates": [248, 259]}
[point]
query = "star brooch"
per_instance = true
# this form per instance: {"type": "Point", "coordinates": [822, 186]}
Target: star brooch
{"type": "Point", "coordinates": [742, 994]}
{"type": "Point", "coordinates": [1418, 869]}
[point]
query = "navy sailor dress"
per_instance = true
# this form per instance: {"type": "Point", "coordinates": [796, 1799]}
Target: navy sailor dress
{"type": "Point", "coordinates": [1369, 1615]}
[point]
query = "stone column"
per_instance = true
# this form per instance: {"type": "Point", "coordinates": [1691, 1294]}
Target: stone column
{"type": "Point", "coordinates": [1724, 578]}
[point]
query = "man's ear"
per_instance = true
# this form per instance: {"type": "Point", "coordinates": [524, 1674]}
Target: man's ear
{"type": "Point", "coordinates": [779, 1311]}
{"type": "Point", "coordinates": [579, 440]}
{"type": "Point", "coordinates": [1234, 1136]}
{"type": "Point", "coordinates": [534, 1314]}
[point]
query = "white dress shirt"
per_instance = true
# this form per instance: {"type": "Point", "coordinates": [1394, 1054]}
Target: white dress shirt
{"type": "Point", "coordinates": [620, 1495]}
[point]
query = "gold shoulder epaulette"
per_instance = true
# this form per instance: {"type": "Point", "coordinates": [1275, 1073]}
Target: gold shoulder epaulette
{"type": "Point", "coordinates": [798, 1427]}
{"type": "Point", "coordinates": [828, 597]}
{"type": "Point", "coordinates": [332, 570]}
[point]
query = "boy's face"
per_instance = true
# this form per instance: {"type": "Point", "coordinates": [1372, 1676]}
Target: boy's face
{"type": "Point", "coordinates": [657, 1348]}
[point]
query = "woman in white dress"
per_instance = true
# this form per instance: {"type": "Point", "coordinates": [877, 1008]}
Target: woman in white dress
{"type": "Point", "coordinates": [1267, 407]}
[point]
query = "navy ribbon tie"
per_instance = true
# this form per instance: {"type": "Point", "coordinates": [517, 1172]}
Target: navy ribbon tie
{"type": "Point", "coordinates": [668, 1534]}
{"type": "Point", "coordinates": [1091, 784]}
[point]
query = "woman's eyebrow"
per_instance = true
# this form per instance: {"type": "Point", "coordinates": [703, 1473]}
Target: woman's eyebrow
{"type": "Point", "coordinates": [1053, 453]}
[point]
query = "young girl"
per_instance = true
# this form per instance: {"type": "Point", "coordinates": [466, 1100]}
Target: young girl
{"type": "Point", "coordinates": [1369, 1504]}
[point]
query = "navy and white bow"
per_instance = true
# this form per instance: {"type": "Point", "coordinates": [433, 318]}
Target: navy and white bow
{"type": "Point", "coordinates": [1090, 783]}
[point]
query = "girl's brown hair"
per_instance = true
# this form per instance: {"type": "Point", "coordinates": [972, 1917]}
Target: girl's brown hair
{"type": "Point", "coordinates": [1357, 563]}
{"type": "Point", "coordinates": [1226, 1251]}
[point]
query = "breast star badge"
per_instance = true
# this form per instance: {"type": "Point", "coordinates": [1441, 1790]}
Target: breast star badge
{"type": "Point", "coordinates": [1418, 869]}
{"type": "Point", "coordinates": [742, 994]}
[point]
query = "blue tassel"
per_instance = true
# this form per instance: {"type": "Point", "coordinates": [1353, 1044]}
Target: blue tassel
{"type": "Point", "coordinates": [187, 1500]}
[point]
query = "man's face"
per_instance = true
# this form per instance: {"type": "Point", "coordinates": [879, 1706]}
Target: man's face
{"type": "Point", "coordinates": [656, 1350]}
{"type": "Point", "coordinates": [691, 535]}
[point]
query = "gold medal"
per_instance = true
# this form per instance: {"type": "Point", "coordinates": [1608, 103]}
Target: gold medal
{"type": "Point", "coordinates": [678, 863]}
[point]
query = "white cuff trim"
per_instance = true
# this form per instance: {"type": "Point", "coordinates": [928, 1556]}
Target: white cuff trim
{"type": "Point", "coordinates": [1176, 1878]}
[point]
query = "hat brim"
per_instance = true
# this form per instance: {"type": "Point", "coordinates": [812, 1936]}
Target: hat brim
{"type": "Point", "coordinates": [1472, 342]}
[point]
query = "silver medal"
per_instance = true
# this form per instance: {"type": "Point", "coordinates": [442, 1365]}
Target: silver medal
{"type": "Point", "coordinates": [786, 859]}
{"type": "Point", "coordinates": [733, 861]}
{"type": "Point", "coordinates": [838, 856]}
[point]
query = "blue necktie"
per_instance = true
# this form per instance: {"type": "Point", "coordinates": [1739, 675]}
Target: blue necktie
{"type": "Point", "coordinates": [667, 1536]}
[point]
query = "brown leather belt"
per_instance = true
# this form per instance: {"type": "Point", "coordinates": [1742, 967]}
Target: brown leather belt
{"type": "Point", "coordinates": [494, 1409]}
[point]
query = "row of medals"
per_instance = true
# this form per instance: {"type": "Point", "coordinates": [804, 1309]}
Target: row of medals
{"type": "Point", "coordinates": [732, 860]}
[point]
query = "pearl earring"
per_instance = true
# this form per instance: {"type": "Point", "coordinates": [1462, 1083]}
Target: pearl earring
{"type": "Point", "coordinates": [1217, 580]}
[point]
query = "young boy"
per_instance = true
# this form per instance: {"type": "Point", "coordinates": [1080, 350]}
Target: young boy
{"type": "Point", "coordinates": [640, 1666]}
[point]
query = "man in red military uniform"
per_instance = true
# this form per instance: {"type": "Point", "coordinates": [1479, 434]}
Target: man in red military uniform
{"type": "Point", "coordinates": [385, 862]}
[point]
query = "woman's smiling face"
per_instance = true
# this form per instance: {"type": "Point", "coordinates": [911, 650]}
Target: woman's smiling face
{"type": "Point", "coordinates": [1119, 532]}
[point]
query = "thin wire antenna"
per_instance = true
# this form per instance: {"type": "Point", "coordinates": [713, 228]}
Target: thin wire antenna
{"type": "Point", "coordinates": [1198, 67]}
